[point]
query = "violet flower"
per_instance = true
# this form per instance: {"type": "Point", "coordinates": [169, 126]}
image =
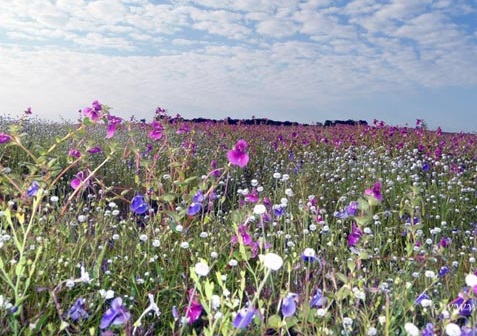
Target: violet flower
{"type": "Point", "coordinates": [196, 204]}
{"type": "Point", "coordinates": [33, 189]}
{"type": "Point", "coordinates": [77, 311]}
{"type": "Point", "coordinates": [139, 205]}
{"type": "Point", "coordinates": [289, 305]}
{"type": "Point", "coordinates": [237, 156]}
{"type": "Point", "coordinates": [244, 318]}
{"type": "Point", "coordinates": [318, 300]}
{"type": "Point", "coordinates": [117, 314]}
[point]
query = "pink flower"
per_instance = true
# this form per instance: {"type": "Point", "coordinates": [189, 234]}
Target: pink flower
{"type": "Point", "coordinates": [94, 113]}
{"type": "Point", "coordinates": [237, 156]}
{"type": "Point", "coordinates": [78, 180]}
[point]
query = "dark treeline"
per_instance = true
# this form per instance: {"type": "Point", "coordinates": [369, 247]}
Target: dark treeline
{"type": "Point", "coordinates": [266, 121]}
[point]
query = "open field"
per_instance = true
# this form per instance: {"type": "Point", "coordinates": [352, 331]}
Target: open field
{"type": "Point", "coordinates": [114, 227]}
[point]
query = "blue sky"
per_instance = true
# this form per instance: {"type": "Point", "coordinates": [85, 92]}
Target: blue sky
{"type": "Point", "coordinates": [307, 61]}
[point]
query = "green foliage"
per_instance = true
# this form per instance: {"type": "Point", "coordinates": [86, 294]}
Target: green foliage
{"type": "Point", "coordinates": [60, 244]}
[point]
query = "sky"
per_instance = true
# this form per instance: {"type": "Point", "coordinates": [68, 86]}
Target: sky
{"type": "Point", "coordinates": [297, 60]}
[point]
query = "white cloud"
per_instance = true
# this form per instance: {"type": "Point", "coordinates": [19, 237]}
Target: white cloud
{"type": "Point", "coordinates": [231, 56]}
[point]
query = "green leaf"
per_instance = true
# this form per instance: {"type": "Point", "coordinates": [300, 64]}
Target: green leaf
{"type": "Point", "coordinates": [274, 322]}
{"type": "Point", "coordinates": [363, 204]}
{"type": "Point", "coordinates": [168, 197]}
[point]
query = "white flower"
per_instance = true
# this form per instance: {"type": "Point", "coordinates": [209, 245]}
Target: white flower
{"type": "Point", "coordinates": [272, 261]}
{"type": "Point", "coordinates": [471, 280]}
{"type": "Point", "coordinates": [453, 329]}
{"type": "Point", "coordinates": [85, 276]}
{"type": "Point", "coordinates": [143, 237]}
{"type": "Point", "coordinates": [214, 255]}
{"type": "Point", "coordinates": [54, 199]}
{"type": "Point", "coordinates": [202, 269]}
{"type": "Point", "coordinates": [156, 243]}
{"type": "Point", "coordinates": [185, 245]}
{"type": "Point", "coordinates": [215, 302]}
{"type": "Point", "coordinates": [259, 209]}
{"type": "Point", "coordinates": [277, 175]}
{"type": "Point", "coordinates": [321, 312]}
{"type": "Point", "coordinates": [233, 263]}
{"type": "Point", "coordinates": [70, 283]}
{"type": "Point", "coordinates": [372, 331]}
{"type": "Point", "coordinates": [152, 305]}
{"type": "Point", "coordinates": [106, 294]}
{"type": "Point", "coordinates": [429, 274]}
{"type": "Point", "coordinates": [411, 329]}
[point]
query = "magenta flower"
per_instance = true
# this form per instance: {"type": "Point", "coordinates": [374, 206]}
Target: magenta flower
{"type": "Point", "coordinates": [252, 197]}
{"type": "Point", "coordinates": [237, 156]}
{"type": "Point", "coordinates": [375, 191]}
{"type": "Point", "coordinates": [194, 309]}
{"type": "Point", "coordinates": [4, 138]}
{"type": "Point", "coordinates": [78, 180]}
{"type": "Point", "coordinates": [354, 236]}
{"type": "Point", "coordinates": [28, 110]}
{"type": "Point", "coordinates": [74, 153]}
{"type": "Point", "coordinates": [113, 121]}
{"type": "Point", "coordinates": [246, 238]}
{"type": "Point", "coordinates": [116, 315]}
{"type": "Point", "coordinates": [156, 132]}
{"type": "Point", "coordinates": [93, 114]}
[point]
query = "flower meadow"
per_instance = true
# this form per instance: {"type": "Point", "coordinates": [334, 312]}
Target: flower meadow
{"type": "Point", "coordinates": [120, 227]}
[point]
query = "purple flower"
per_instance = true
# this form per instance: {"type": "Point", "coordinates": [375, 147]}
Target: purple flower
{"type": "Point", "coordinates": [289, 305]}
{"type": "Point", "coordinates": [318, 300]}
{"type": "Point", "coordinates": [354, 236]}
{"type": "Point", "coordinates": [244, 318]}
{"type": "Point", "coordinates": [348, 211]}
{"type": "Point", "coordinates": [196, 204]}
{"type": "Point", "coordinates": [429, 330]}
{"type": "Point", "coordinates": [237, 156]}
{"type": "Point", "coordinates": [375, 191]}
{"type": "Point", "coordinates": [113, 121]}
{"type": "Point", "coordinates": [115, 315]}
{"type": "Point", "coordinates": [4, 138]}
{"type": "Point", "coordinates": [78, 180]}
{"type": "Point", "coordinates": [443, 271]}
{"type": "Point", "coordinates": [74, 153]}
{"type": "Point", "coordinates": [421, 298]}
{"type": "Point", "coordinates": [94, 150]}
{"type": "Point", "coordinates": [33, 189]}
{"type": "Point", "coordinates": [139, 205]}
{"type": "Point", "coordinates": [77, 312]}
{"type": "Point", "coordinates": [95, 112]}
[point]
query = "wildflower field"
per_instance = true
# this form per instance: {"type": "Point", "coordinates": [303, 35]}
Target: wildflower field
{"type": "Point", "coordinates": [120, 227]}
